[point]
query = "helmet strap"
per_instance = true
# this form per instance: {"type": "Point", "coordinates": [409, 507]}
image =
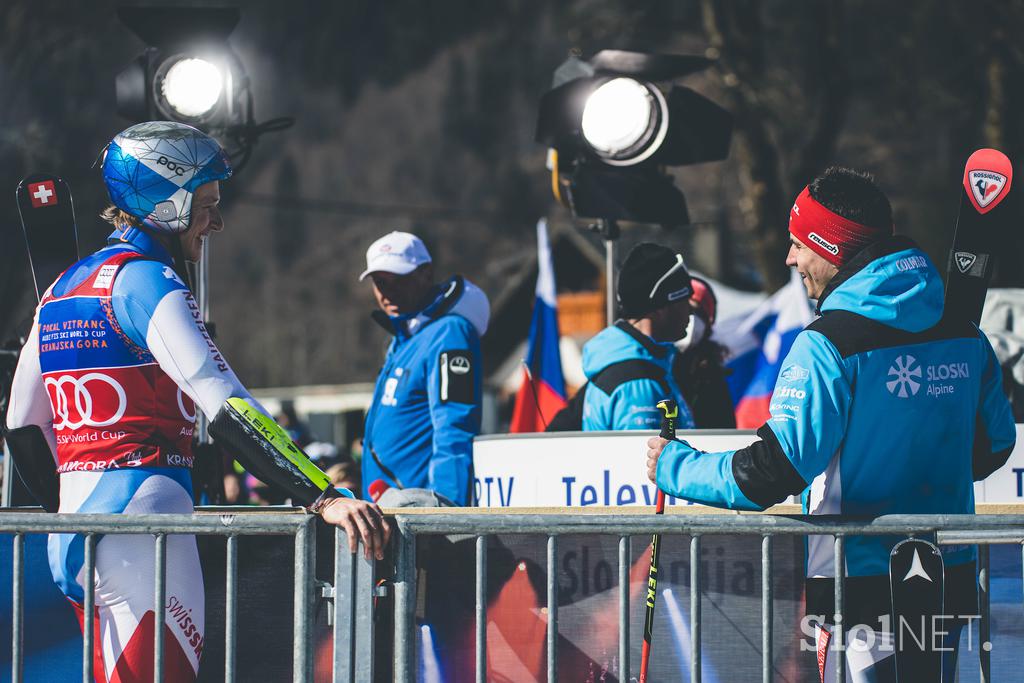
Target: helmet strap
{"type": "Point", "coordinates": [180, 265]}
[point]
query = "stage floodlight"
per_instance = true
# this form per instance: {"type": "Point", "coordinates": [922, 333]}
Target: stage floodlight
{"type": "Point", "coordinates": [188, 87]}
{"type": "Point", "coordinates": [189, 73]}
{"type": "Point", "coordinates": [615, 122]}
{"type": "Point", "coordinates": [624, 121]}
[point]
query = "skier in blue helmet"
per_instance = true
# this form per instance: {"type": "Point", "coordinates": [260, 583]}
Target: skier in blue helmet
{"type": "Point", "coordinates": [113, 402]}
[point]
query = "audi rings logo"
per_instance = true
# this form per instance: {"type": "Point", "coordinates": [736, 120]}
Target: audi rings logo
{"type": "Point", "coordinates": [88, 411]}
{"type": "Point", "coordinates": [191, 417]}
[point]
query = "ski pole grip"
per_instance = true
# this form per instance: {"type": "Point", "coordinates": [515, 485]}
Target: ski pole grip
{"type": "Point", "coordinates": [669, 415]}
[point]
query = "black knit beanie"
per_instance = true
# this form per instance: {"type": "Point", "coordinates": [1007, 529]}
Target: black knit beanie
{"type": "Point", "coordinates": [651, 277]}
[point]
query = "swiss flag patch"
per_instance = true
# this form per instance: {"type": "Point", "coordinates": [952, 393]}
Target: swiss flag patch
{"type": "Point", "coordinates": [42, 194]}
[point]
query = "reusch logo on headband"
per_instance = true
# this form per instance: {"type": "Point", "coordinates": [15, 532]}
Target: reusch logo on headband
{"type": "Point", "coordinates": [823, 243]}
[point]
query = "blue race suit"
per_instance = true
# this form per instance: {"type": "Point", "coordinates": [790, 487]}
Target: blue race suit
{"type": "Point", "coordinates": [116, 365]}
{"type": "Point", "coordinates": [631, 404]}
{"type": "Point", "coordinates": [882, 407]}
{"type": "Point", "coordinates": [426, 403]}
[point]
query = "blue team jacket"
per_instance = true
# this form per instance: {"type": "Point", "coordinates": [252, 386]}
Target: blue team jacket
{"type": "Point", "coordinates": [426, 403]}
{"type": "Point", "coordinates": [874, 412]}
{"type": "Point", "coordinates": [632, 404]}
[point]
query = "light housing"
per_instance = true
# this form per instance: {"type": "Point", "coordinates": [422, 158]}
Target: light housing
{"type": "Point", "coordinates": [189, 73]}
{"type": "Point", "coordinates": [624, 121]}
{"type": "Point", "coordinates": [189, 88]}
{"type": "Point", "coordinates": [615, 123]}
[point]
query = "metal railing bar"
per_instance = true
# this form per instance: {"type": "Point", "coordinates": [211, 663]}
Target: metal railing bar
{"type": "Point", "coordinates": [481, 609]}
{"type": "Point", "coordinates": [159, 605]}
{"type": "Point", "coordinates": [552, 609]}
{"type": "Point", "coordinates": [767, 613]}
{"type": "Point", "coordinates": [405, 606]}
{"type": "Point", "coordinates": [839, 566]}
{"type": "Point", "coordinates": [89, 609]}
{"type": "Point", "coordinates": [625, 555]}
{"type": "Point", "coordinates": [695, 663]}
{"type": "Point", "coordinates": [985, 606]}
{"type": "Point", "coordinates": [980, 537]}
{"type": "Point", "coordinates": [305, 560]}
{"type": "Point", "coordinates": [344, 609]}
{"type": "Point", "coordinates": [18, 609]}
{"type": "Point", "coordinates": [230, 608]}
{"type": "Point", "coordinates": [776, 525]}
{"type": "Point", "coordinates": [269, 524]}
{"type": "Point", "coordinates": [363, 597]}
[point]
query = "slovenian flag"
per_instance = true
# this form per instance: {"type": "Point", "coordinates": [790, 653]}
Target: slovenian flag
{"type": "Point", "coordinates": [542, 393]}
{"type": "Point", "coordinates": [758, 343]}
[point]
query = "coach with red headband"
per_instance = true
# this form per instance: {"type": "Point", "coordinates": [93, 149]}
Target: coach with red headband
{"type": "Point", "coordinates": [882, 407]}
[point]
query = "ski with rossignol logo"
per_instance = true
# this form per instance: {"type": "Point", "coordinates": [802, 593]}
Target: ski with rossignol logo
{"type": "Point", "coordinates": [48, 222]}
{"type": "Point", "coordinates": [983, 214]}
{"type": "Point", "coordinates": [916, 581]}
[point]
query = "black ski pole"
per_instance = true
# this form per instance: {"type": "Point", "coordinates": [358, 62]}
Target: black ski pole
{"type": "Point", "coordinates": [669, 414]}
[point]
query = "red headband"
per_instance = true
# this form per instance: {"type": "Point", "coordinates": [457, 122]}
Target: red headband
{"type": "Point", "coordinates": [834, 238]}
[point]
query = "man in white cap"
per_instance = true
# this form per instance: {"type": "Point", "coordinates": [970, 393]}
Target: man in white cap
{"type": "Point", "coordinates": [426, 403]}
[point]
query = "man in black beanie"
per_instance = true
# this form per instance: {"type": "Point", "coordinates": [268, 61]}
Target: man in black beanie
{"type": "Point", "coordinates": [629, 364]}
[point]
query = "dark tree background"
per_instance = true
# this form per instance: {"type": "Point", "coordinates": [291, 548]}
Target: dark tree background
{"type": "Point", "coordinates": [420, 116]}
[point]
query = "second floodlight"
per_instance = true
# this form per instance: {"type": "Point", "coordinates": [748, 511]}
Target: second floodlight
{"type": "Point", "coordinates": [624, 121]}
{"type": "Point", "coordinates": [188, 88]}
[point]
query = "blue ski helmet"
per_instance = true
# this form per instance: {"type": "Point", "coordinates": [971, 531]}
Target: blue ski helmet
{"type": "Point", "coordinates": [152, 169]}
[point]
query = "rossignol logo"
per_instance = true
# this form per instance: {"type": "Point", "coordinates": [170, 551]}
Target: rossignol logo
{"type": "Point", "coordinates": [823, 243]}
{"type": "Point", "coordinates": [904, 371]}
{"type": "Point", "coordinates": [964, 260]}
{"type": "Point", "coordinates": [986, 186]}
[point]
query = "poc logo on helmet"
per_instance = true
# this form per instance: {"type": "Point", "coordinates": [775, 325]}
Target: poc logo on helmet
{"type": "Point", "coordinates": [175, 168]}
{"type": "Point", "coordinates": [904, 371]}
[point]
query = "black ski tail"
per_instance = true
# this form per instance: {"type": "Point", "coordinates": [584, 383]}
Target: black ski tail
{"type": "Point", "coordinates": [48, 221]}
{"type": "Point", "coordinates": [917, 584]}
{"type": "Point", "coordinates": [984, 215]}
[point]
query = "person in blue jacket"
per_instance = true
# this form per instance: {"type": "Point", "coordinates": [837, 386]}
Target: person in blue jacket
{"type": "Point", "coordinates": [426, 403]}
{"type": "Point", "coordinates": [628, 365]}
{"type": "Point", "coordinates": [882, 406]}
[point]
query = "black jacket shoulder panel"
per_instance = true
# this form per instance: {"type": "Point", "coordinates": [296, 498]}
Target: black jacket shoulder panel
{"type": "Point", "coordinates": [852, 333]}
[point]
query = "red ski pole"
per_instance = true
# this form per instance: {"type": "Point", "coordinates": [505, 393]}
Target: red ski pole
{"type": "Point", "coordinates": [669, 414]}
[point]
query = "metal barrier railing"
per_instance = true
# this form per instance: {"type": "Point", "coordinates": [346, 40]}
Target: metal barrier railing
{"type": "Point", "coordinates": [354, 592]}
{"type": "Point", "coordinates": [980, 530]}
{"type": "Point", "coordinates": [228, 524]}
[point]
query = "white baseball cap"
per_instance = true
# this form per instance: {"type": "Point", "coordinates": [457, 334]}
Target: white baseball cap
{"type": "Point", "coordinates": [397, 252]}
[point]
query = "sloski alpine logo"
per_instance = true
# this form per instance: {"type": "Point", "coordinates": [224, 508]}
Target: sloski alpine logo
{"type": "Point", "coordinates": [964, 260]}
{"type": "Point", "coordinates": [986, 186]}
{"type": "Point", "coordinates": [905, 369]}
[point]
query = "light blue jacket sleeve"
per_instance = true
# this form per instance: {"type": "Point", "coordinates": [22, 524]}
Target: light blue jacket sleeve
{"type": "Point", "coordinates": [809, 413]}
{"type": "Point", "coordinates": [454, 394]}
{"type": "Point", "coordinates": [993, 408]}
{"type": "Point", "coordinates": [810, 406]}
